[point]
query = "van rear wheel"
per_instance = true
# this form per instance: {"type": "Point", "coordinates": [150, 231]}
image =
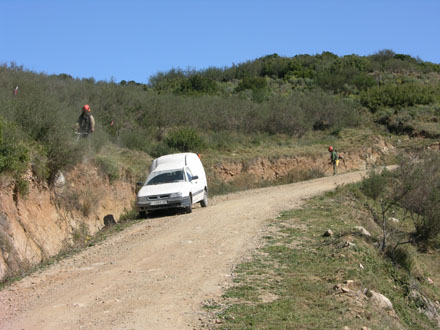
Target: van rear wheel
{"type": "Point", "coordinates": [204, 201]}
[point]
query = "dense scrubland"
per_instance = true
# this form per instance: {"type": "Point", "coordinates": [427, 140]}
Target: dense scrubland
{"type": "Point", "coordinates": [213, 109]}
{"type": "Point", "coordinates": [270, 100]}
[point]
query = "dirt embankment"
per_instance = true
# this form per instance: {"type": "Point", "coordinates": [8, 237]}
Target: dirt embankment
{"type": "Point", "coordinates": [263, 169]}
{"type": "Point", "coordinates": [47, 221]}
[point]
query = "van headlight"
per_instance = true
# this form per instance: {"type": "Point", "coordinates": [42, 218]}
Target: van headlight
{"type": "Point", "coordinates": [175, 195]}
{"type": "Point", "coordinates": [142, 199]}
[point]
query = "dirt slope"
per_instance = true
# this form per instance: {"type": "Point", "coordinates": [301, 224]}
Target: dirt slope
{"type": "Point", "coordinates": [157, 273]}
{"type": "Point", "coordinates": [44, 222]}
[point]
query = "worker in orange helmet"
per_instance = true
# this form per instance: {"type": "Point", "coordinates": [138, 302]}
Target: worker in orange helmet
{"type": "Point", "coordinates": [86, 122]}
{"type": "Point", "coordinates": [334, 158]}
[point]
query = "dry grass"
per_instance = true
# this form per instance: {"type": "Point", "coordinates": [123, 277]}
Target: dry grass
{"type": "Point", "coordinates": [133, 165]}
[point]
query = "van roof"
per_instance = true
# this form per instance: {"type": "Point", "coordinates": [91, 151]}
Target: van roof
{"type": "Point", "coordinates": [172, 161]}
{"type": "Point", "coordinates": [174, 158]}
{"type": "Point", "coordinates": [168, 167]}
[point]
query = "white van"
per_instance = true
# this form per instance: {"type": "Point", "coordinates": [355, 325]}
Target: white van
{"type": "Point", "coordinates": [175, 181]}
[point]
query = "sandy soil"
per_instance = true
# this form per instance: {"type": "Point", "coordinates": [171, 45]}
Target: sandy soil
{"type": "Point", "coordinates": [157, 273]}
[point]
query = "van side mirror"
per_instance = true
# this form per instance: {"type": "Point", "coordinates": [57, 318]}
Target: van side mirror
{"type": "Point", "coordinates": [139, 184]}
{"type": "Point", "coordinates": [195, 177]}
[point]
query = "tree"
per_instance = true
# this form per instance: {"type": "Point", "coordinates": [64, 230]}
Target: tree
{"type": "Point", "coordinates": [413, 191]}
{"type": "Point", "coordinates": [421, 178]}
{"type": "Point", "coordinates": [378, 187]}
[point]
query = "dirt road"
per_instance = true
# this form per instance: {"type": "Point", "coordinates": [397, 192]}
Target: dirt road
{"type": "Point", "coordinates": [157, 273]}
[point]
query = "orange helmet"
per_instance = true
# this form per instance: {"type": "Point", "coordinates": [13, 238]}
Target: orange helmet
{"type": "Point", "coordinates": [330, 148]}
{"type": "Point", "coordinates": [86, 108]}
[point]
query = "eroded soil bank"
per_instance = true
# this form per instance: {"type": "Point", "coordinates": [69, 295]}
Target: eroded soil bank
{"type": "Point", "coordinates": [49, 220]}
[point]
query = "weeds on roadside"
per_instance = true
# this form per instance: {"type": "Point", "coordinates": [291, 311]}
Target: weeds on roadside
{"type": "Point", "coordinates": [298, 273]}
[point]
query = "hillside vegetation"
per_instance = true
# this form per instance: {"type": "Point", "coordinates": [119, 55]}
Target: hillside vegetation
{"type": "Point", "coordinates": [213, 110]}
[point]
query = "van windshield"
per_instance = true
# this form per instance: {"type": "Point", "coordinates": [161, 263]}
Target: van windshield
{"type": "Point", "coordinates": [167, 177]}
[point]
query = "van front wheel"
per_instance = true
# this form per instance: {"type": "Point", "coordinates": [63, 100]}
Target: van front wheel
{"type": "Point", "coordinates": [188, 209]}
{"type": "Point", "coordinates": [204, 201]}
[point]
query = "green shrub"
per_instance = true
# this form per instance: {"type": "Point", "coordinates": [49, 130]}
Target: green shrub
{"type": "Point", "coordinates": [398, 95]}
{"type": "Point", "coordinates": [198, 84]}
{"type": "Point", "coordinates": [224, 140]}
{"type": "Point", "coordinates": [302, 112]}
{"type": "Point", "coordinates": [402, 257]}
{"type": "Point", "coordinates": [420, 187]}
{"type": "Point", "coordinates": [161, 149]}
{"type": "Point", "coordinates": [135, 138]}
{"type": "Point", "coordinates": [344, 79]}
{"type": "Point", "coordinates": [14, 155]}
{"type": "Point", "coordinates": [376, 185]}
{"type": "Point", "coordinates": [22, 186]}
{"type": "Point", "coordinates": [252, 83]}
{"type": "Point", "coordinates": [185, 140]}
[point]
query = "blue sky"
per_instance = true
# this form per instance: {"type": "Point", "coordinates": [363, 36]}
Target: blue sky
{"type": "Point", "coordinates": [133, 39]}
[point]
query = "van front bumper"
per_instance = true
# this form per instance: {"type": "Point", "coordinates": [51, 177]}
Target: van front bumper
{"type": "Point", "coordinates": [161, 204]}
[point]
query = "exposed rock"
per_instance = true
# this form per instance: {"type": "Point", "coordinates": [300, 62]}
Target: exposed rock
{"type": "Point", "coordinates": [379, 299]}
{"type": "Point", "coordinates": [328, 233]}
{"type": "Point", "coordinates": [60, 180]}
{"type": "Point", "coordinates": [348, 244]}
{"type": "Point", "coordinates": [362, 231]}
{"type": "Point", "coordinates": [348, 282]}
{"type": "Point", "coordinates": [394, 219]}
{"type": "Point", "coordinates": [345, 289]}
